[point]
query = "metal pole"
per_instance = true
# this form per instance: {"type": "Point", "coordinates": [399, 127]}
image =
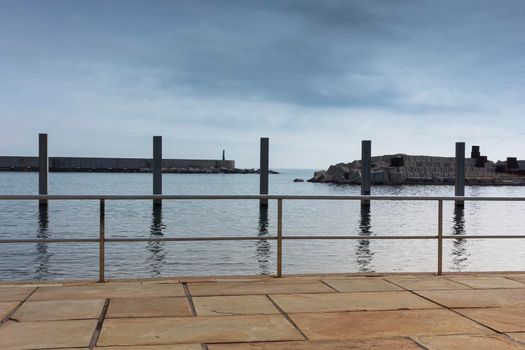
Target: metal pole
{"type": "Point", "coordinates": [102, 239]}
{"type": "Point", "coordinates": [43, 167]}
{"type": "Point", "coordinates": [460, 172]}
{"type": "Point", "coordinates": [440, 237]}
{"type": "Point", "coordinates": [157, 168]}
{"type": "Point", "coordinates": [263, 169]}
{"type": "Point", "coordinates": [279, 237]}
{"type": "Point", "coordinates": [366, 170]}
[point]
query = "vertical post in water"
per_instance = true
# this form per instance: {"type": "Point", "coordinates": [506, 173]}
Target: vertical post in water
{"type": "Point", "coordinates": [366, 170]}
{"type": "Point", "coordinates": [43, 167]}
{"type": "Point", "coordinates": [460, 172]}
{"type": "Point", "coordinates": [263, 169]}
{"type": "Point", "coordinates": [157, 168]}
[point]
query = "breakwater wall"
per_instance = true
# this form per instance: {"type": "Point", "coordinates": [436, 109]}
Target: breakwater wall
{"type": "Point", "coordinates": [82, 164]}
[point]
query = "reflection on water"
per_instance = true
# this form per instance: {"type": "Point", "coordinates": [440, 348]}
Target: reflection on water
{"type": "Point", "coordinates": [262, 248]}
{"type": "Point", "coordinates": [363, 252]}
{"type": "Point", "coordinates": [157, 256]}
{"type": "Point", "coordinates": [459, 249]}
{"type": "Point", "coordinates": [42, 255]}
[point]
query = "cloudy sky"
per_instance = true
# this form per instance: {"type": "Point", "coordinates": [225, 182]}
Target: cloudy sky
{"type": "Point", "coordinates": [317, 77]}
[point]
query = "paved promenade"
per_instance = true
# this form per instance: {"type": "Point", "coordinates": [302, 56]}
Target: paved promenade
{"type": "Point", "coordinates": [293, 313]}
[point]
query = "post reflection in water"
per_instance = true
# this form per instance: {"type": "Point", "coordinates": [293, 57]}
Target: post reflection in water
{"type": "Point", "coordinates": [363, 252]}
{"type": "Point", "coordinates": [262, 247]}
{"type": "Point", "coordinates": [459, 249]}
{"type": "Point", "coordinates": [42, 255]}
{"type": "Point", "coordinates": [157, 257]}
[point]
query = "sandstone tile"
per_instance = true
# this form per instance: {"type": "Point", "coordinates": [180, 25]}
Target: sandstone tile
{"type": "Point", "coordinates": [6, 308]}
{"type": "Point", "coordinates": [468, 342]}
{"type": "Point", "coordinates": [98, 291]}
{"type": "Point", "coordinates": [148, 307]}
{"type": "Point", "coordinates": [368, 344]}
{"type": "Point", "coordinates": [362, 285]}
{"type": "Point", "coordinates": [234, 305]}
{"type": "Point", "coordinates": [477, 298]}
{"type": "Point", "coordinates": [487, 282]}
{"type": "Point", "coordinates": [208, 289]}
{"type": "Point", "coordinates": [59, 310]}
{"type": "Point", "coordinates": [516, 277]}
{"type": "Point", "coordinates": [296, 303]}
{"type": "Point", "coordinates": [190, 330]}
{"type": "Point", "coordinates": [425, 283]}
{"type": "Point", "coordinates": [154, 347]}
{"type": "Point", "coordinates": [383, 324]}
{"type": "Point", "coordinates": [517, 336]}
{"type": "Point", "coordinates": [47, 334]}
{"type": "Point", "coordinates": [15, 293]}
{"type": "Point", "coordinates": [500, 319]}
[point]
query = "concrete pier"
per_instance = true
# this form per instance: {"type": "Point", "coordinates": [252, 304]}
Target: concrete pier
{"type": "Point", "coordinates": [460, 171]}
{"type": "Point", "coordinates": [264, 168]}
{"type": "Point", "coordinates": [43, 166]}
{"type": "Point", "coordinates": [157, 168]}
{"type": "Point", "coordinates": [366, 170]}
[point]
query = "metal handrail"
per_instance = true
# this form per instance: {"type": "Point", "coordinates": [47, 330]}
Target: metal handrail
{"type": "Point", "coordinates": [102, 240]}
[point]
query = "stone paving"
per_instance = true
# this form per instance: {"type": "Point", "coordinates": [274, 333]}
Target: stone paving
{"type": "Point", "coordinates": [325, 312]}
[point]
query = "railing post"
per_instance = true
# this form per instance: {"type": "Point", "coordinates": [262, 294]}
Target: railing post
{"type": "Point", "coordinates": [279, 237]}
{"type": "Point", "coordinates": [102, 240]}
{"type": "Point", "coordinates": [440, 238]}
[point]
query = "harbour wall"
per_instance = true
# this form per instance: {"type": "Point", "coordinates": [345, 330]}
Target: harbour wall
{"type": "Point", "coordinates": [81, 164]}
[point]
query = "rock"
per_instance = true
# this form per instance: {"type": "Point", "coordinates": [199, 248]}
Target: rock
{"type": "Point", "coordinates": [298, 180]}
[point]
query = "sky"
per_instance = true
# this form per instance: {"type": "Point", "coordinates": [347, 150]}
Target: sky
{"type": "Point", "coordinates": [102, 77]}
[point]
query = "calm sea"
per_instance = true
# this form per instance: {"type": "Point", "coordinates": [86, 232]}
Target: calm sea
{"type": "Point", "coordinates": [79, 219]}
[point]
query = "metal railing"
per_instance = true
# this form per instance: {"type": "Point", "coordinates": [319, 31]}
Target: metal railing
{"type": "Point", "coordinates": [102, 240]}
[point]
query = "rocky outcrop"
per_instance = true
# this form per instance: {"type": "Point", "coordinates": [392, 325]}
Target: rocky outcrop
{"type": "Point", "coordinates": [400, 169]}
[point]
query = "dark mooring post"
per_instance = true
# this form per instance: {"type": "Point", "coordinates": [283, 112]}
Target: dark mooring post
{"type": "Point", "coordinates": [460, 171]}
{"type": "Point", "coordinates": [43, 167]}
{"type": "Point", "coordinates": [263, 177]}
{"type": "Point", "coordinates": [366, 170]}
{"type": "Point", "coordinates": [157, 168]}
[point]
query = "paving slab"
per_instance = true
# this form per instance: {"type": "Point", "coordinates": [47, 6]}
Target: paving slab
{"type": "Point", "coordinates": [46, 334]}
{"type": "Point", "coordinates": [210, 289]}
{"type": "Point", "coordinates": [517, 336]}
{"type": "Point", "coordinates": [487, 282]}
{"type": "Point", "coordinates": [148, 307]}
{"type": "Point", "coordinates": [425, 283]}
{"type": "Point", "coordinates": [234, 305]}
{"type": "Point", "coordinates": [99, 291]}
{"type": "Point", "coordinates": [501, 319]}
{"type": "Point", "coordinates": [188, 330]}
{"type": "Point", "coordinates": [468, 342]}
{"type": "Point", "coordinates": [362, 285]}
{"type": "Point", "coordinates": [6, 308]}
{"type": "Point", "coordinates": [15, 293]}
{"type": "Point", "coordinates": [59, 310]}
{"type": "Point", "coordinates": [357, 301]}
{"type": "Point", "coordinates": [383, 324]}
{"type": "Point", "coordinates": [369, 344]}
{"type": "Point", "coordinates": [154, 347]}
{"type": "Point", "coordinates": [516, 277]}
{"type": "Point", "coordinates": [477, 298]}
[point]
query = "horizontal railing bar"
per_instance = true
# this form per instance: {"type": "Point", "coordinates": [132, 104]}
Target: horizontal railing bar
{"type": "Point", "coordinates": [51, 240]}
{"type": "Point", "coordinates": [255, 197]}
{"type": "Point", "coordinates": [358, 237]}
{"type": "Point", "coordinates": [261, 238]}
{"type": "Point", "coordinates": [189, 239]}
